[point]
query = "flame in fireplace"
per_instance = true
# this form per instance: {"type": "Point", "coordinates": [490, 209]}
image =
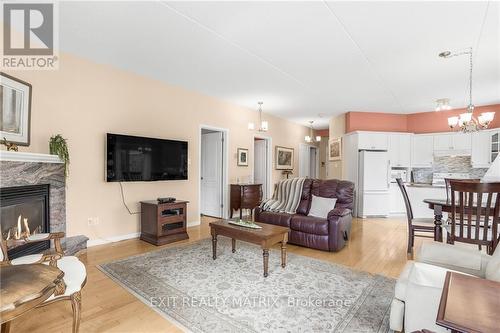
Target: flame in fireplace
{"type": "Point", "coordinates": [20, 231]}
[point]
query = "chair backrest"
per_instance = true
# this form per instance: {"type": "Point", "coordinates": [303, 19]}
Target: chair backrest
{"type": "Point", "coordinates": [447, 182]}
{"type": "Point", "coordinates": [409, 211]}
{"type": "Point", "coordinates": [475, 213]}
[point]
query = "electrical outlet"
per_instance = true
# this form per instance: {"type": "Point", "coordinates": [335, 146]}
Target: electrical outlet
{"type": "Point", "coordinates": [93, 221]}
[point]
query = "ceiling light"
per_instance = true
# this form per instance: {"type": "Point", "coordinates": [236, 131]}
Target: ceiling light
{"type": "Point", "coordinates": [311, 138]}
{"type": "Point", "coordinates": [443, 104]}
{"type": "Point", "coordinates": [264, 125]}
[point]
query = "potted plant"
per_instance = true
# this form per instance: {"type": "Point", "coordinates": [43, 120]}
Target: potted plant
{"type": "Point", "coordinates": [58, 146]}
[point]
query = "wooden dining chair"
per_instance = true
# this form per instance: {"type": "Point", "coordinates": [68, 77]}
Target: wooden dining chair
{"type": "Point", "coordinates": [420, 225]}
{"type": "Point", "coordinates": [447, 182]}
{"type": "Point", "coordinates": [475, 214]}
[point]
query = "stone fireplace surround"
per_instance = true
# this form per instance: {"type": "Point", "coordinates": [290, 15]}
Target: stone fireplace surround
{"type": "Point", "coordinates": [21, 169]}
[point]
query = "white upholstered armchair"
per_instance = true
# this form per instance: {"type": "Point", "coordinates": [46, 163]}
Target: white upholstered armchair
{"type": "Point", "coordinates": [418, 289]}
{"type": "Point", "coordinates": [75, 274]}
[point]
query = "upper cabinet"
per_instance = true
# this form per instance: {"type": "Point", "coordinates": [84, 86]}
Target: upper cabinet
{"type": "Point", "coordinates": [494, 145]}
{"type": "Point", "coordinates": [459, 142]}
{"type": "Point", "coordinates": [373, 141]}
{"type": "Point", "coordinates": [400, 150]}
{"type": "Point", "coordinates": [422, 151]}
{"type": "Point", "coordinates": [481, 149]}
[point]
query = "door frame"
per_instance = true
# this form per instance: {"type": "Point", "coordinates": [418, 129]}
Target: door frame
{"type": "Point", "coordinates": [317, 157]}
{"type": "Point", "coordinates": [225, 171]}
{"type": "Point", "coordinates": [269, 166]}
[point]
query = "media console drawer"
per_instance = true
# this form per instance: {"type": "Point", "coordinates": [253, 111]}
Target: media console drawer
{"type": "Point", "coordinates": [163, 223]}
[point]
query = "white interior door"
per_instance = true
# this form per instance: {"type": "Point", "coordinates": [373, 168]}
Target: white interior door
{"type": "Point", "coordinates": [304, 160]}
{"type": "Point", "coordinates": [211, 174]}
{"type": "Point", "coordinates": [313, 162]}
{"type": "Point", "coordinates": [260, 165]}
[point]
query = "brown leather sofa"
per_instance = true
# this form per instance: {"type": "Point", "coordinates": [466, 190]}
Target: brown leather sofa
{"type": "Point", "coordinates": [328, 234]}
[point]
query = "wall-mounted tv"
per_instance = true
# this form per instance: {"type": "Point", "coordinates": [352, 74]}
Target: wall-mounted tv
{"type": "Point", "coordinates": [134, 158]}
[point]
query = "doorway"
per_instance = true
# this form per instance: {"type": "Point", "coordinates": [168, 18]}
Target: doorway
{"type": "Point", "coordinates": [213, 172]}
{"type": "Point", "coordinates": [308, 161]}
{"type": "Point", "coordinates": [262, 164]}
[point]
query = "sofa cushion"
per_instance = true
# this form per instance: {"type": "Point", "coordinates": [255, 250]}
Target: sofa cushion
{"type": "Point", "coordinates": [282, 219]}
{"type": "Point", "coordinates": [320, 207]}
{"type": "Point", "coordinates": [333, 188]}
{"type": "Point", "coordinates": [309, 224]}
{"type": "Point", "coordinates": [305, 199]}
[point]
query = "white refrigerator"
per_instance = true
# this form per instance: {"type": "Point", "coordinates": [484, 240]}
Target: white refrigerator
{"type": "Point", "coordinates": [373, 183]}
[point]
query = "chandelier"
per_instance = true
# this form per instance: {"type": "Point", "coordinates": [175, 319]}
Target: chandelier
{"type": "Point", "coordinates": [263, 125]}
{"type": "Point", "coordinates": [311, 138]}
{"type": "Point", "coordinates": [466, 122]}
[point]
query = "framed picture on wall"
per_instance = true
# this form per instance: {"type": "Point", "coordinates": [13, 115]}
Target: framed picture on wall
{"type": "Point", "coordinates": [242, 157]}
{"type": "Point", "coordinates": [284, 158]}
{"type": "Point", "coordinates": [15, 111]}
{"type": "Point", "coordinates": [335, 149]}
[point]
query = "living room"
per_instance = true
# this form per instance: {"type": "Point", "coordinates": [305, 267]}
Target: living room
{"type": "Point", "coordinates": [281, 124]}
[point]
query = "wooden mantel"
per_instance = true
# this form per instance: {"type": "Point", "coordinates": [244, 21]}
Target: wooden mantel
{"type": "Point", "coordinates": [28, 157]}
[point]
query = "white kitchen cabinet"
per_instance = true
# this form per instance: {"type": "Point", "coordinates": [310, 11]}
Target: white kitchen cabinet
{"type": "Point", "coordinates": [480, 153]}
{"type": "Point", "coordinates": [494, 145]}
{"type": "Point", "coordinates": [459, 142]}
{"type": "Point", "coordinates": [373, 141]}
{"type": "Point", "coordinates": [443, 142]}
{"type": "Point", "coordinates": [422, 151]}
{"type": "Point", "coordinates": [400, 150]}
{"type": "Point", "coordinates": [396, 202]}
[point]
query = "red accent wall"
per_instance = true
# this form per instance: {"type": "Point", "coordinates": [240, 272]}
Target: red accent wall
{"type": "Point", "coordinates": [423, 122]}
{"type": "Point", "coordinates": [374, 121]}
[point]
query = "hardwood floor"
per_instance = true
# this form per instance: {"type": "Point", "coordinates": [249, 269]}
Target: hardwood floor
{"type": "Point", "coordinates": [376, 246]}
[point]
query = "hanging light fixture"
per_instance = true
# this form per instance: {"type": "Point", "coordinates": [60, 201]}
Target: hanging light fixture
{"type": "Point", "coordinates": [263, 125]}
{"type": "Point", "coordinates": [443, 104]}
{"type": "Point", "coordinates": [466, 122]}
{"type": "Point", "coordinates": [311, 138]}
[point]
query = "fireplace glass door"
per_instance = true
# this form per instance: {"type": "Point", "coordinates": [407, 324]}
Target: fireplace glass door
{"type": "Point", "coordinates": [24, 211]}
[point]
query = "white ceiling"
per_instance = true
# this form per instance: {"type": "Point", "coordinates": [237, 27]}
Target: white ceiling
{"type": "Point", "coordinates": [303, 59]}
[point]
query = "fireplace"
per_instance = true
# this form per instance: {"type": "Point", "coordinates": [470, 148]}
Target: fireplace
{"type": "Point", "coordinates": [24, 211]}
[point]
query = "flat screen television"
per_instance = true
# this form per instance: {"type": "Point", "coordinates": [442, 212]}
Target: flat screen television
{"type": "Point", "coordinates": [134, 158]}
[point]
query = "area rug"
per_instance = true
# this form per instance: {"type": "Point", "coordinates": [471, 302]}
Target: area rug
{"type": "Point", "coordinates": [230, 294]}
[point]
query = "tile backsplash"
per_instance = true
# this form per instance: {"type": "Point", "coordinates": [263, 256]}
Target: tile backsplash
{"type": "Point", "coordinates": [456, 164]}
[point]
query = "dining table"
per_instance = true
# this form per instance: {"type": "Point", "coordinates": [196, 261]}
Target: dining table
{"type": "Point", "coordinates": [440, 206]}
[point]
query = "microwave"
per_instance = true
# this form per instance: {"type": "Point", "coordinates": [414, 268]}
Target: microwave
{"type": "Point", "coordinates": [398, 173]}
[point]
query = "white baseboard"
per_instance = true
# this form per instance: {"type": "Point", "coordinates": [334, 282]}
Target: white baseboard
{"type": "Point", "coordinates": [101, 241]}
{"type": "Point", "coordinates": [193, 223]}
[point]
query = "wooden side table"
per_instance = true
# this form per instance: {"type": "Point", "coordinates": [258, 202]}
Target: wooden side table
{"type": "Point", "coordinates": [245, 196]}
{"type": "Point", "coordinates": [23, 287]}
{"type": "Point", "coordinates": [469, 304]}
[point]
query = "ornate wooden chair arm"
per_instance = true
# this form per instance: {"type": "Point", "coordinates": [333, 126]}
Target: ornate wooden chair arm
{"type": "Point", "coordinates": [56, 236]}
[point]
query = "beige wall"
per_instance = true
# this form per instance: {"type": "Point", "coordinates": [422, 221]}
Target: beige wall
{"type": "Point", "coordinates": [84, 100]}
{"type": "Point", "coordinates": [336, 129]}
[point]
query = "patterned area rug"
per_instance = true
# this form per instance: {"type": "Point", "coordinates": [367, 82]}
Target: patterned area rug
{"type": "Point", "coordinates": [230, 294]}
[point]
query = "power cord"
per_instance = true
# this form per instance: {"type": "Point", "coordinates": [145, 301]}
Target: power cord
{"type": "Point", "coordinates": [124, 203]}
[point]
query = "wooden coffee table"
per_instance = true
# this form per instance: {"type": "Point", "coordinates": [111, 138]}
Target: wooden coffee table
{"type": "Point", "coordinates": [469, 304]}
{"type": "Point", "coordinates": [266, 237]}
